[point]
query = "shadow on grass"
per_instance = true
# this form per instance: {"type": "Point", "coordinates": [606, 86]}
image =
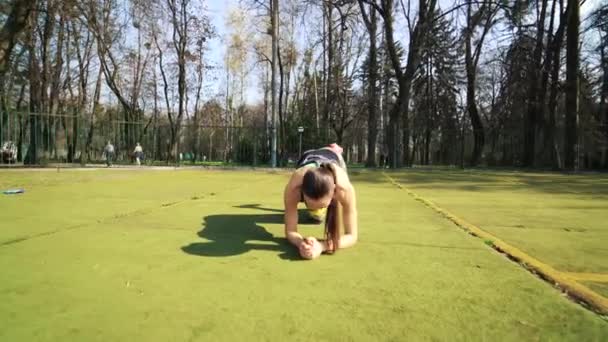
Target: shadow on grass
{"type": "Point", "coordinates": [236, 234]}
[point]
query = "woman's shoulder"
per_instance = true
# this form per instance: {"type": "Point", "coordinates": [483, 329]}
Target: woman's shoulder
{"type": "Point", "coordinates": [293, 189]}
{"type": "Point", "coordinates": [295, 181]}
{"type": "Point", "coordinates": [344, 187]}
{"type": "Point", "coordinates": [342, 180]}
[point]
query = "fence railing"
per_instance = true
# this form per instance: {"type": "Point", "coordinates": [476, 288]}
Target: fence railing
{"type": "Point", "coordinates": [42, 138]}
{"type": "Point", "coordinates": [39, 138]}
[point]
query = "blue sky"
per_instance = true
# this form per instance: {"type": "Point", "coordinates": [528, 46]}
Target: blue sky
{"type": "Point", "coordinates": [218, 11]}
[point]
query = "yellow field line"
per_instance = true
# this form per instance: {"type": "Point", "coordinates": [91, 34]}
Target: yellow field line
{"type": "Point", "coordinates": [594, 277]}
{"type": "Point", "coordinates": [563, 281]}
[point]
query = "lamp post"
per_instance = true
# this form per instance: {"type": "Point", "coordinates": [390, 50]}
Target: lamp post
{"type": "Point", "coordinates": [300, 131]}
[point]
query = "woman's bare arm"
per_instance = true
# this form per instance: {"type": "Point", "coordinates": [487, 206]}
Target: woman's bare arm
{"type": "Point", "coordinates": [291, 199]}
{"type": "Point", "coordinates": [347, 200]}
{"type": "Point", "coordinates": [349, 216]}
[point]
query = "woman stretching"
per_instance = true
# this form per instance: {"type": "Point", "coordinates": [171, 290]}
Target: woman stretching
{"type": "Point", "coordinates": [321, 182]}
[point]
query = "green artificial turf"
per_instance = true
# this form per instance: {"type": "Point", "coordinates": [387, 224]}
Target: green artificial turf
{"type": "Point", "coordinates": [557, 218]}
{"type": "Point", "coordinates": [123, 255]}
{"type": "Point", "coordinates": [601, 288]}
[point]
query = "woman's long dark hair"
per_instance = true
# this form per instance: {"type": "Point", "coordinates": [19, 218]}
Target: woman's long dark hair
{"type": "Point", "coordinates": [316, 183]}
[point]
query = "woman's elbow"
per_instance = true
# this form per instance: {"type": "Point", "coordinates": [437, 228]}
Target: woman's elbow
{"type": "Point", "coordinates": [348, 240]}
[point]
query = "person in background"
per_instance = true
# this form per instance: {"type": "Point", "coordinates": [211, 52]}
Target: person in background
{"type": "Point", "coordinates": [139, 154]}
{"type": "Point", "coordinates": [109, 153]}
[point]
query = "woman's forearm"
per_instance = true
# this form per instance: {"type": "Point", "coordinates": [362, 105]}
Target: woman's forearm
{"type": "Point", "coordinates": [294, 238]}
{"type": "Point", "coordinates": [346, 241]}
{"type": "Point", "coordinates": [350, 227]}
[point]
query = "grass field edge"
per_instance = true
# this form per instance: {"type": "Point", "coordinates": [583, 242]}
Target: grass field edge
{"type": "Point", "coordinates": [569, 286]}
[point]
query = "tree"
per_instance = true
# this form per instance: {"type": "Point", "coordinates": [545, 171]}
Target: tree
{"type": "Point", "coordinates": [599, 22]}
{"type": "Point", "coordinates": [484, 17]}
{"type": "Point", "coordinates": [274, 32]}
{"type": "Point", "coordinates": [102, 18]}
{"type": "Point", "coordinates": [35, 93]}
{"type": "Point", "coordinates": [535, 102]}
{"type": "Point", "coordinates": [513, 98]}
{"type": "Point", "coordinates": [21, 12]}
{"type": "Point", "coordinates": [572, 87]}
{"type": "Point", "coordinates": [553, 58]}
{"type": "Point", "coordinates": [372, 80]}
{"type": "Point", "coordinates": [180, 20]}
{"type": "Point", "coordinates": [399, 114]}
{"type": "Point", "coordinates": [434, 94]}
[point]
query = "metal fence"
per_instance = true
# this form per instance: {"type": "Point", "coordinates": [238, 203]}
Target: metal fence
{"type": "Point", "coordinates": [42, 139]}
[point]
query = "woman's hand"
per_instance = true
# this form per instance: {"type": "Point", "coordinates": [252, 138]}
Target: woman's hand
{"type": "Point", "coordinates": [310, 248]}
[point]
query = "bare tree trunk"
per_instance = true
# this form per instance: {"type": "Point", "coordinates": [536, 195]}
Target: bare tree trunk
{"type": "Point", "coordinates": [74, 144]}
{"type": "Point", "coordinates": [96, 96]}
{"type": "Point", "coordinates": [285, 87]}
{"type": "Point", "coordinates": [165, 82]}
{"type": "Point", "coordinates": [83, 70]}
{"type": "Point", "coordinates": [228, 116]}
{"type": "Point", "coordinates": [546, 66]}
{"type": "Point", "coordinates": [35, 93]}
{"type": "Point", "coordinates": [180, 17]}
{"type": "Point", "coordinates": [555, 47]}
{"type": "Point", "coordinates": [72, 137]}
{"type": "Point", "coordinates": [372, 106]}
{"type": "Point", "coordinates": [274, 20]}
{"type": "Point", "coordinates": [472, 55]}
{"type": "Point", "coordinates": [45, 59]}
{"type": "Point", "coordinates": [282, 136]}
{"type": "Point", "coordinates": [572, 87]}
{"type": "Point", "coordinates": [54, 103]}
{"type": "Point", "coordinates": [156, 143]}
{"type": "Point", "coordinates": [314, 80]}
{"type": "Point", "coordinates": [399, 114]}
{"type": "Point", "coordinates": [200, 70]}
{"type": "Point", "coordinates": [394, 116]}
{"type": "Point", "coordinates": [534, 104]}
{"type": "Point", "coordinates": [23, 121]}
{"type": "Point", "coordinates": [266, 108]}
{"type": "Point", "coordinates": [603, 109]}
{"type": "Point", "coordinates": [425, 18]}
{"type": "Point", "coordinates": [329, 86]}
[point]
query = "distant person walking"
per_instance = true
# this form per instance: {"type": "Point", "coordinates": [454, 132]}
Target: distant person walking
{"type": "Point", "coordinates": [109, 153]}
{"type": "Point", "coordinates": [139, 154]}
